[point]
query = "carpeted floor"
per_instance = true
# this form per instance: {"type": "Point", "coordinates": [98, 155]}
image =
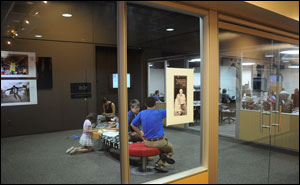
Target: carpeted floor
{"type": "Point", "coordinates": [41, 158]}
{"type": "Point", "coordinates": [245, 163]}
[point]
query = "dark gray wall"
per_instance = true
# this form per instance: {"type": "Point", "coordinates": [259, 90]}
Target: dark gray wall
{"type": "Point", "coordinates": [106, 65]}
{"type": "Point", "coordinates": [55, 111]}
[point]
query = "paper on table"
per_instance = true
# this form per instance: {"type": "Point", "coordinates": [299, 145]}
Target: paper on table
{"type": "Point", "coordinates": [111, 134]}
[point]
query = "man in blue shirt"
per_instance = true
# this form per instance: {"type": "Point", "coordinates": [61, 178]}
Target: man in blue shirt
{"type": "Point", "coordinates": [156, 95]}
{"type": "Point", "coordinates": [135, 109]}
{"type": "Point", "coordinates": [151, 121]}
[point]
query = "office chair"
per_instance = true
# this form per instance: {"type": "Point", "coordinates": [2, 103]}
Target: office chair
{"type": "Point", "coordinates": [228, 112]}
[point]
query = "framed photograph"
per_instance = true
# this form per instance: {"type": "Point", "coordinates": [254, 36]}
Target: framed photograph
{"type": "Point", "coordinates": [44, 72]}
{"type": "Point", "coordinates": [179, 95]}
{"type": "Point", "coordinates": [18, 64]}
{"type": "Point", "coordinates": [18, 92]}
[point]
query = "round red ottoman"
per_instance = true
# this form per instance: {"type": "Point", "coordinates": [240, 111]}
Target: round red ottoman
{"type": "Point", "coordinates": [140, 150]}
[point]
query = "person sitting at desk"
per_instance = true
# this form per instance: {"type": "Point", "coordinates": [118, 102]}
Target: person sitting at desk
{"type": "Point", "coordinates": [135, 109]}
{"type": "Point", "coordinates": [151, 121]}
{"type": "Point", "coordinates": [156, 95]}
{"type": "Point", "coordinates": [225, 97]}
{"type": "Point", "coordinates": [108, 107]}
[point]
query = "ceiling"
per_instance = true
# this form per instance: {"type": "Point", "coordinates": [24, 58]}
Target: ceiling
{"type": "Point", "coordinates": [95, 22]}
{"type": "Point", "coordinates": [286, 8]}
{"type": "Point", "coordinates": [251, 12]}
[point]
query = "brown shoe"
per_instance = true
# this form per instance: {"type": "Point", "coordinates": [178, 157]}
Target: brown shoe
{"type": "Point", "coordinates": [160, 168]}
{"type": "Point", "coordinates": [150, 158]}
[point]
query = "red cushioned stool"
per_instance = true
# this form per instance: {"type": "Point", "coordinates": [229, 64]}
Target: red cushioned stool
{"type": "Point", "coordinates": [140, 150]}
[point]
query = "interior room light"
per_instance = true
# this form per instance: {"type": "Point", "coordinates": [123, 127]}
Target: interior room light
{"type": "Point", "coordinates": [294, 67]}
{"type": "Point", "coordinates": [45, 2]}
{"type": "Point", "coordinates": [195, 60]}
{"type": "Point", "coordinates": [248, 64]}
{"type": "Point", "coordinates": [66, 15]}
{"type": "Point", "coordinates": [26, 21]}
{"type": "Point", "coordinates": [8, 42]}
{"type": "Point", "coordinates": [38, 36]}
{"type": "Point", "coordinates": [269, 56]}
{"type": "Point", "coordinates": [290, 52]}
{"type": "Point", "coordinates": [150, 65]}
{"type": "Point", "coordinates": [36, 13]}
{"type": "Point", "coordinates": [170, 29]}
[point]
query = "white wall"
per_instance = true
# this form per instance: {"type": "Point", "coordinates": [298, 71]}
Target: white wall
{"type": "Point", "coordinates": [157, 80]}
{"type": "Point", "coordinates": [290, 79]}
{"type": "Point", "coordinates": [228, 79]}
{"type": "Point", "coordinates": [247, 76]}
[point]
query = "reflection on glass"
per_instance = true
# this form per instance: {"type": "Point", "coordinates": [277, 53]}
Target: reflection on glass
{"type": "Point", "coordinates": [259, 95]}
{"type": "Point", "coordinates": [163, 47]}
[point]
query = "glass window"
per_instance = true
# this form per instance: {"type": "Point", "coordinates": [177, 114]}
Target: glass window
{"type": "Point", "coordinates": [259, 109]}
{"type": "Point", "coordinates": [166, 40]}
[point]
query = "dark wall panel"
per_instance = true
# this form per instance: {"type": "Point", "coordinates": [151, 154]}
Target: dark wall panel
{"type": "Point", "coordinates": [55, 111]}
{"type": "Point", "coordinates": [106, 65]}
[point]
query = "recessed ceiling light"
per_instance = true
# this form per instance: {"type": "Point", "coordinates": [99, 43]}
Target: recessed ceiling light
{"type": "Point", "coordinates": [38, 36]}
{"type": "Point", "coordinates": [170, 29]}
{"type": "Point", "coordinates": [290, 52]}
{"type": "Point", "coordinates": [66, 15]}
{"type": "Point", "coordinates": [8, 42]}
{"type": "Point", "coordinates": [269, 56]}
{"type": "Point", "coordinates": [294, 67]}
{"type": "Point", "coordinates": [248, 64]}
{"type": "Point", "coordinates": [195, 60]}
{"type": "Point", "coordinates": [36, 13]}
{"type": "Point", "coordinates": [26, 21]}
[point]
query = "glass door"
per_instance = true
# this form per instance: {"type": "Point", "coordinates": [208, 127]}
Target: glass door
{"type": "Point", "coordinates": [259, 96]}
{"type": "Point", "coordinates": [284, 119]}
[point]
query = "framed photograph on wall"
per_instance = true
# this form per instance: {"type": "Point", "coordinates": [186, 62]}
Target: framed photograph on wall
{"type": "Point", "coordinates": [18, 64]}
{"type": "Point", "coordinates": [44, 72]}
{"type": "Point", "coordinates": [179, 95]}
{"type": "Point", "coordinates": [18, 92]}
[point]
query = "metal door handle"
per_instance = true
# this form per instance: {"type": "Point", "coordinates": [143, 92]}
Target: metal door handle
{"type": "Point", "coordinates": [271, 119]}
{"type": "Point", "coordinates": [276, 124]}
{"type": "Point", "coordinates": [262, 126]}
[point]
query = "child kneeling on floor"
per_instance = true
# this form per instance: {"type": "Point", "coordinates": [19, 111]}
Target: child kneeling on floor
{"type": "Point", "coordinates": [86, 137]}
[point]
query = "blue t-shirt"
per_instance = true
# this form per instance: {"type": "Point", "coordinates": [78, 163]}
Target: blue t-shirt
{"type": "Point", "coordinates": [151, 121]}
{"type": "Point", "coordinates": [117, 125]}
{"type": "Point", "coordinates": [131, 117]}
{"type": "Point", "coordinates": [156, 98]}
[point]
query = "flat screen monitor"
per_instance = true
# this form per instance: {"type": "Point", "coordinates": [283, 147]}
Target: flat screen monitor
{"type": "Point", "coordinates": [116, 82]}
{"type": "Point", "coordinates": [273, 78]}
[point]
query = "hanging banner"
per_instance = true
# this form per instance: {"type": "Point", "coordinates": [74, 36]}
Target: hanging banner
{"type": "Point", "coordinates": [179, 96]}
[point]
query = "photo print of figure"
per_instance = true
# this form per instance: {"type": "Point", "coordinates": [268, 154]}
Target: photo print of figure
{"type": "Point", "coordinates": [14, 92]}
{"type": "Point", "coordinates": [14, 64]}
{"type": "Point", "coordinates": [180, 92]}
